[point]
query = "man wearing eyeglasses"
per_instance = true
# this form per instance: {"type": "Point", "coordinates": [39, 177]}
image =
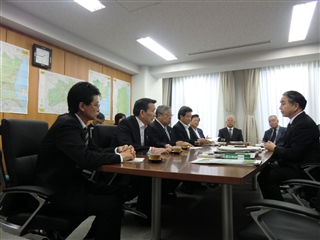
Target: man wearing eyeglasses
{"type": "Point", "coordinates": [162, 134]}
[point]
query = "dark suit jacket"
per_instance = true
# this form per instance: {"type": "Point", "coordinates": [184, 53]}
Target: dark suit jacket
{"type": "Point", "coordinates": [236, 135]}
{"type": "Point", "coordinates": [128, 132]}
{"type": "Point", "coordinates": [199, 130]}
{"type": "Point", "coordinates": [159, 137]}
{"type": "Point", "coordinates": [63, 155]}
{"type": "Point", "coordinates": [181, 134]}
{"type": "Point", "coordinates": [280, 136]}
{"type": "Point", "coordinates": [301, 143]}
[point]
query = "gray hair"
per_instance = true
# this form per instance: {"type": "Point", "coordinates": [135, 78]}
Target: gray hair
{"type": "Point", "coordinates": [161, 109]}
{"type": "Point", "coordinates": [273, 116]}
{"type": "Point", "coordinates": [232, 117]}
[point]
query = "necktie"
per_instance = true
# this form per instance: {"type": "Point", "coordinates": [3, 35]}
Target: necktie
{"type": "Point", "coordinates": [273, 136]}
{"type": "Point", "coordinates": [168, 135]}
{"type": "Point", "coordinates": [86, 135]}
{"type": "Point", "coordinates": [230, 132]}
{"type": "Point", "coordinates": [142, 135]}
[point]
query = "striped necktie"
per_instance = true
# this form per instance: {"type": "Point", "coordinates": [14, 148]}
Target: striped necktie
{"type": "Point", "coordinates": [86, 135]}
{"type": "Point", "coordinates": [168, 135]}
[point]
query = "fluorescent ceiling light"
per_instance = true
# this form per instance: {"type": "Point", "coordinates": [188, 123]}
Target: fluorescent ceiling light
{"type": "Point", "coordinates": [300, 21]}
{"type": "Point", "coordinates": [91, 5]}
{"type": "Point", "coordinates": [156, 48]}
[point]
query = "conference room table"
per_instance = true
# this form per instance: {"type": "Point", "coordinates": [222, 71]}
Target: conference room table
{"type": "Point", "coordinates": [179, 166]}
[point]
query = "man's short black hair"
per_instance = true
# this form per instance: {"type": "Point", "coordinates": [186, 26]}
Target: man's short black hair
{"type": "Point", "coordinates": [117, 118]}
{"type": "Point", "coordinates": [101, 116]}
{"type": "Point", "coordinates": [81, 92]}
{"type": "Point", "coordinates": [142, 104]}
{"type": "Point", "coordinates": [195, 116]}
{"type": "Point", "coordinates": [296, 97]}
{"type": "Point", "coordinates": [183, 111]}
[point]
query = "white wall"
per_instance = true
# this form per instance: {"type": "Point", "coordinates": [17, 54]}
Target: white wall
{"type": "Point", "coordinates": [145, 85]}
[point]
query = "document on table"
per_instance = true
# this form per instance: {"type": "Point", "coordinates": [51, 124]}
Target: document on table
{"type": "Point", "coordinates": [195, 148]}
{"type": "Point", "coordinates": [227, 161]}
{"type": "Point", "coordinates": [136, 160]}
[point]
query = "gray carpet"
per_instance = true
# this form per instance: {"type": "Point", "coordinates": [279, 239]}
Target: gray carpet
{"type": "Point", "coordinates": [189, 217]}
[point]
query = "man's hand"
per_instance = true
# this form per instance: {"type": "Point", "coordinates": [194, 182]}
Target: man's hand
{"type": "Point", "coordinates": [269, 146]}
{"type": "Point", "coordinates": [127, 152]}
{"type": "Point", "coordinates": [203, 140]}
{"type": "Point", "coordinates": [162, 150]}
{"type": "Point", "coordinates": [168, 147]}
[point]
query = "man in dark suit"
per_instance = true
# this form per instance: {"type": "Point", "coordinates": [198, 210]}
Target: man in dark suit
{"type": "Point", "coordinates": [135, 130]}
{"type": "Point", "coordinates": [276, 133]}
{"type": "Point", "coordinates": [301, 146]}
{"type": "Point", "coordinates": [195, 120]}
{"type": "Point", "coordinates": [182, 128]}
{"type": "Point", "coordinates": [183, 132]}
{"type": "Point", "coordinates": [230, 133]}
{"type": "Point", "coordinates": [162, 136]}
{"type": "Point", "coordinates": [66, 151]}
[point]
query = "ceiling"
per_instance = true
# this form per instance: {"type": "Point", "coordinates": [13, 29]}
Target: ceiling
{"type": "Point", "coordinates": [181, 26]}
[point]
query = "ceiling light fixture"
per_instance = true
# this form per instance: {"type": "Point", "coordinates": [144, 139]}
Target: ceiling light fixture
{"type": "Point", "coordinates": [300, 21]}
{"type": "Point", "coordinates": [92, 5]}
{"type": "Point", "coordinates": [156, 48]}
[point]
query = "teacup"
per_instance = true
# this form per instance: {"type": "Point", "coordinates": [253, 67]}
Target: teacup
{"type": "Point", "coordinates": [185, 146]}
{"type": "Point", "coordinates": [176, 149]}
{"type": "Point", "coordinates": [155, 156]}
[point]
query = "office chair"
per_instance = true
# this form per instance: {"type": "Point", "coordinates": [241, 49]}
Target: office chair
{"type": "Point", "coordinates": [102, 135]}
{"type": "Point", "coordinates": [282, 220]}
{"type": "Point", "coordinates": [23, 204]}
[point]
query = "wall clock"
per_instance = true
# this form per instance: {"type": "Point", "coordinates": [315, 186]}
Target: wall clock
{"type": "Point", "coordinates": [41, 56]}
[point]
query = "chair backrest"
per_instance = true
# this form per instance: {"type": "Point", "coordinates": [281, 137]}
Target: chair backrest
{"type": "Point", "coordinates": [103, 134]}
{"type": "Point", "coordinates": [21, 140]}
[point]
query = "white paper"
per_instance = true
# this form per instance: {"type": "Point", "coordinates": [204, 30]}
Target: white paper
{"type": "Point", "coordinates": [136, 160]}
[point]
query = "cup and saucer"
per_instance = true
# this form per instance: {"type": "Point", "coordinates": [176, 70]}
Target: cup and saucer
{"type": "Point", "coordinates": [155, 157]}
{"type": "Point", "coordinates": [176, 149]}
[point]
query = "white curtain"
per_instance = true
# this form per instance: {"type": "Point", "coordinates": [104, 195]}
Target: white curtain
{"type": "Point", "coordinates": [166, 91]}
{"type": "Point", "coordinates": [202, 94]}
{"type": "Point", "coordinates": [274, 81]}
{"type": "Point", "coordinates": [229, 92]}
{"type": "Point", "coordinates": [251, 78]}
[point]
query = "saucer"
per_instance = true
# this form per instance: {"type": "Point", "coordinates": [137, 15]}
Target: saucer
{"type": "Point", "coordinates": [176, 152]}
{"type": "Point", "coordinates": [155, 161]}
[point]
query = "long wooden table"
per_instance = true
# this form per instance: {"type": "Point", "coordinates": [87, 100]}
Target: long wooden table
{"type": "Point", "coordinates": [179, 167]}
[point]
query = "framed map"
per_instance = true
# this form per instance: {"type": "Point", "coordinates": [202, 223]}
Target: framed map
{"type": "Point", "coordinates": [14, 78]}
{"type": "Point", "coordinates": [53, 92]}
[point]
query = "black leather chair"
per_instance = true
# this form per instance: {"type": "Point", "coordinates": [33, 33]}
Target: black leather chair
{"type": "Point", "coordinates": [282, 220]}
{"type": "Point", "coordinates": [103, 134]}
{"type": "Point", "coordinates": [24, 206]}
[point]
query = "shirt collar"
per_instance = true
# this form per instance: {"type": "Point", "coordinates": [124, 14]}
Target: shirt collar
{"type": "Point", "coordinates": [81, 122]}
{"type": "Point", "coordinates": [160, 123]}
{"type": "Point", "coordinates": [291, 120]}
{"type": "Point", "coordinates": [184, 125]}
{"type": "Point", "coordinates": [141, 124]}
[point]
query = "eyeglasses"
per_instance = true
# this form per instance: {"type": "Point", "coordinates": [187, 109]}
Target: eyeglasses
{"type": "Point", "coordinates": [97, 105]}
{"type": "Point", "coordinates": [168, 115]}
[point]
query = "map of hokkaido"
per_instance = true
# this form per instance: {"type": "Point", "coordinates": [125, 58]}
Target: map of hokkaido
{"type": "Point", "coordinates": [14, 79]}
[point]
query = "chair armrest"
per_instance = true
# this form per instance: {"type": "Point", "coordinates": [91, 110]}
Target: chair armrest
{"type": "Point", "coordinates": [256, 205]}
{"type": "Point", "coordinates": [315, 164]}
{"type": "Point", "coordinates": [31, 189]}
{"type": "Point", "coordinates": [301, 182]}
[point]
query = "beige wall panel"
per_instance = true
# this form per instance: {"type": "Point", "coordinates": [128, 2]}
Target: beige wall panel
{"type": "Point", "coordinates": [78, 67]}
